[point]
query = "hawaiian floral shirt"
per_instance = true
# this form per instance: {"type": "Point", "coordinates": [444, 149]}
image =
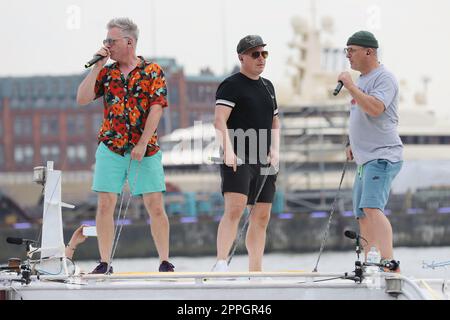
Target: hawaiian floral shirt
{"type": "Point", "coordinates": [127, 104]}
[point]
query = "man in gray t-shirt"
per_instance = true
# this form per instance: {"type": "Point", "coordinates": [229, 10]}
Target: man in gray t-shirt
{"type": "Point", "coordinates": [374, 142]}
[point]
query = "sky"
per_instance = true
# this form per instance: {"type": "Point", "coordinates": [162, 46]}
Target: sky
{"type": "Point", "coordinates": [50, 37]}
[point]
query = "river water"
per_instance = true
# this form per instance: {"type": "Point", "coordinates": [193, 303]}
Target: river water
{"type": "Point", "coordinates": [411, 262]}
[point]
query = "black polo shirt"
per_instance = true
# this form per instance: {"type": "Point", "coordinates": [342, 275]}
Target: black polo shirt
{"type": "Point", "coordinates": [254, 106]}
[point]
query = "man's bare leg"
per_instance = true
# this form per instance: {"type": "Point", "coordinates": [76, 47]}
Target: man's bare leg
{"type": "Point", "coordinates": [104, 220]}
{"type": "Point", "coordinates": [256, 235]}
{"type": "Point", "coordinates": [377, 230]}
{"type": "Point", "coordinates": [154, 203]}
{"type": "Point", "coordinates": [234, 207]}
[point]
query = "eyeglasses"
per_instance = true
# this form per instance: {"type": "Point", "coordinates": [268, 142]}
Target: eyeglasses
{"type": "Point", "coordinates": [351, 50]}
{"type": "Point", "coordinates": [256, 54]}
{"type": "Point", "coordinates": [109, 41]}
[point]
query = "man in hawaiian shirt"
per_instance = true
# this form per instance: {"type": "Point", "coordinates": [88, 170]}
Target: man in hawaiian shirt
{"type": "Point", "coordinates": [134, 95]}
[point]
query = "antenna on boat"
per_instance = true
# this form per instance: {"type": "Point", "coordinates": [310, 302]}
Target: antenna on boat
{"type": "Point", "coordinates": [53, 259]}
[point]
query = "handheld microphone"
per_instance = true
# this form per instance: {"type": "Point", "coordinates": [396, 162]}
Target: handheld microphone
{"type": "Point", "coordinates": [351, 234]}
{"type": "Point", "coordinates": [338, 88]}
{"type": "Point", "coordinates": [19, 241]}
{"type": "Point", "coordinates": [94, 60]}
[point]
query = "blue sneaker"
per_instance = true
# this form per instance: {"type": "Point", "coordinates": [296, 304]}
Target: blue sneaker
{"type": "Point", "coordinates": [101, 269]}
{"type": "Point", "coordinates": [166, 266]}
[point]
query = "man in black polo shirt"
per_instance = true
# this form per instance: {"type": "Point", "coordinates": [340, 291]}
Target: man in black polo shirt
{"type": "Point", "coordinates": [246, 119]}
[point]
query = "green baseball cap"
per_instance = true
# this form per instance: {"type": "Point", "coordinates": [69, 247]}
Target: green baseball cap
{"type": "Point", "coordinates": [364, 39]}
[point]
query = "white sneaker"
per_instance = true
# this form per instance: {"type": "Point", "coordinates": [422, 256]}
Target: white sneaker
{"type": "Point", "coordinates": [220, 266]}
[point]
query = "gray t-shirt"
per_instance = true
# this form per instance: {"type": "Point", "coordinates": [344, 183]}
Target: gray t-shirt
{"type": "Point", "coordinates": [376, 137]}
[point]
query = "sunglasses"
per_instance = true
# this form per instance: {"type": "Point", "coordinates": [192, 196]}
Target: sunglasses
{"type": "Point", "coordinates": [348, 51]}
{"type": "Point", "coordinates": [256, 54]}
{"type": "Point", "coordinates": [109, 41]}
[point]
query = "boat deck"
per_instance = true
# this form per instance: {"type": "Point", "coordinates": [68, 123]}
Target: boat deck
{"type": "Point", "coordinates": [291, 285]}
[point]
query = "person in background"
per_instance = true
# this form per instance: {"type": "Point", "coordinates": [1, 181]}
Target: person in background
{"type": "Point", "coordinates": [76, 239]}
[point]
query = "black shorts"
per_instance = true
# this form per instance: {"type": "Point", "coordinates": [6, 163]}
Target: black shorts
{"type": "Point", "coordinates": [247, 180]}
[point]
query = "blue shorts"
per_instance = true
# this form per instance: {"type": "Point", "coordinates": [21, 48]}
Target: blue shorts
{"type": "Point", "coordinates": [112, 170]}
{"type": "Point", "coordinates": [373, 184]}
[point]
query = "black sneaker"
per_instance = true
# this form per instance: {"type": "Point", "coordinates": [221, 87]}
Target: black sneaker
{"type": "Point", "coordinates": [101, 268]}
{"type": "Point", "coordinates": [166, 266]}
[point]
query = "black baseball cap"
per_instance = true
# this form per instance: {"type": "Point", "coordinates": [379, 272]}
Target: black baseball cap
{"type": "Point", "coordinates": [248, 42]}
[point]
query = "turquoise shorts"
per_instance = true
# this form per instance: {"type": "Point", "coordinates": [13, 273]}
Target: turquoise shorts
{"type": "Point", "coordinates": [373, 184]}
{"type": "Point", "coordinates": [112, 170]}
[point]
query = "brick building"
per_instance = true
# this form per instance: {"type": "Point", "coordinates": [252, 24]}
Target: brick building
{"type": "Point", "coordinates": [40, 119]}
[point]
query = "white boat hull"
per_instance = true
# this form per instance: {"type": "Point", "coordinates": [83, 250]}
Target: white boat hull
{"type": "Point", "coordinates": [218, 286]}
